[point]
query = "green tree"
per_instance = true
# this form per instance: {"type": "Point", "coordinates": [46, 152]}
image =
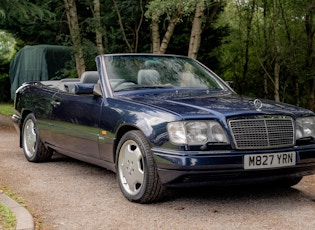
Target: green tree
{"type": "Point", "coordinates": [199, 22]}
{"type": "Point", "coordinates": [32, 22]}
{"type": "Point", "coordinates": [7, 43]}
{"type": "Point", "coordinates": [7, 50]}
{"type": "Point", "coordinates": [173, 11]}
{"type": "Point", "coordinates": [98, 26]}
{"type": "Point", "coordinates": [13, 11]}
{"type": "Point", "coordinates": [266, 49]}
{"type": "Point", "coordinates": [237, 51]}
{"type": "Point", "coordinates": [21, 10]}
{"type": "Point", "coordinates": [130, 28]}
{"type": "Point", "coordinates": [73, 21]}
{"type": "Point", "coordinates": [310, 52]}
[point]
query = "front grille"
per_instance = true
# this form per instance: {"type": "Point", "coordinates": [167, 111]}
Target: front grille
{"type": "Point", "coordinates": [262, 132]}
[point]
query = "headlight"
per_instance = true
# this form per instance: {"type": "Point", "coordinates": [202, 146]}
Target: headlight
{"type": "Point", "coordinates": [196, 132]}
{"type": "Point", "coordinates": [305, 127]}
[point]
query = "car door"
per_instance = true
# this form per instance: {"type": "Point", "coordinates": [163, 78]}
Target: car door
{"type": "Point", "coordinates": [42, 109]}
{"type": "Point", "coordinates": [75, 123]}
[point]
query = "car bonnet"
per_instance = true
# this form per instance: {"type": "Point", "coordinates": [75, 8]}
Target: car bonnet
{"type": "Point", "coordinates": [214, 104]}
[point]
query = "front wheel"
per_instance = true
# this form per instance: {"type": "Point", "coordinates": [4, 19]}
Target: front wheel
{"type": "Point", "coordinates": [289, 181]}
{"type": "Point", "coordinates": [136, 170]}
{"type": "Point", "coordinates": [34, 149]}
{"type": "Point", "coordinates": [286, 182]}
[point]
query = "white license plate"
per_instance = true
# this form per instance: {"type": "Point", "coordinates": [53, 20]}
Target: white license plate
{"type": "Point", "coordinates": [271, 160]}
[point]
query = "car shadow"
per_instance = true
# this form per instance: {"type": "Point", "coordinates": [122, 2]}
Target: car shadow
{"type": "Point", "coordinates": [257, 192]}
{"type": "Point", "coordinates": [241, 192]}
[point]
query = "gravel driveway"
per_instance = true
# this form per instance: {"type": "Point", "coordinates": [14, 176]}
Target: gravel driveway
{"type": "Point", "coordinates": [68, 194]}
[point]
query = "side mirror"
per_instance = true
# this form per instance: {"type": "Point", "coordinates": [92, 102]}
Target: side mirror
{"type": "Point", "coordinates": [230, 83]}
{"type": "Point", "coordinates": [97, 91]}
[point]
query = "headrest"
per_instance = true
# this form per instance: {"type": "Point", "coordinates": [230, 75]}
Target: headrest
{"type": "Point", "coordinates": [90, 77]}
{"type": "Point", "coordinates": [148, 77]}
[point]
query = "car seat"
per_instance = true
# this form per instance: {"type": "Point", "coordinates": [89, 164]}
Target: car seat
{"type": "Point", "coordinates": [89, 77]}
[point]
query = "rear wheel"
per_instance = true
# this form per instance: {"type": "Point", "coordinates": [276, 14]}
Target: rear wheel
{"type": "Point", "coordinates": [34, 149]}
{"type": "Point", "coordinates": [136, 170]}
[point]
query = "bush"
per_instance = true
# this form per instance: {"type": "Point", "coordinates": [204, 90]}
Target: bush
{"type": "Point", "coordinates": [5, 88]}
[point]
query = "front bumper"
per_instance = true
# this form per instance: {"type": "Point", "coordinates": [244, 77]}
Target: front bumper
{"type": "Point", "coordinates": [178, 169]}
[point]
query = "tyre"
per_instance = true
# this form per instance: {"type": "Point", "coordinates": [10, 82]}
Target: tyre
{"type": "Point", "coordinates": [286, 182]}
{"type": "Point", "coordinates": [290, 181]}
{"type": "Point", "coordinates": [34, 149]}
{"type": "Point", "coordinates": [136, 170]}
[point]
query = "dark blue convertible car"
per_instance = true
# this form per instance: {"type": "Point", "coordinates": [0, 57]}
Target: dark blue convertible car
{"type": "Point", "coordinates": [163, 121]}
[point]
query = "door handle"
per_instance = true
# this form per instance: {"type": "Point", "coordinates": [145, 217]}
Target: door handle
{"type": "Point", "coordinates": [55, 103]}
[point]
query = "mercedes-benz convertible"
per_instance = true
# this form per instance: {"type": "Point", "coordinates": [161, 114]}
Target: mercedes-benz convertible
{"type": "Point", "coordinates": [162, 121]}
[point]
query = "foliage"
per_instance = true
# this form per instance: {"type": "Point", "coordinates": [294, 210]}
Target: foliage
{"type": "Point", "coordinates": [21, 10]}
{"type": "Point", "coordinates": [264, 52]}
{"type": "Point", "coordinates": [10, 218]}
{"type": "Point", "coordinates": [32, 22]}
{"type": "Point", "coordinates": [4, 87]}
{"type": "Point", "coordinates": [264, 46]}
{"type": "Point", "coordinates": [160, 7]}
{"type": "Point", "coordinates": [7, 51]}
{"type": "Point", "coordinates": [7, 44]}
{"type": "Point", "coordinates": [7, 218]}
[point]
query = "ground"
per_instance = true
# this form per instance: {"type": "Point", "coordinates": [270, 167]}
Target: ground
{"type": "Point", "coordinates": [67, 194]}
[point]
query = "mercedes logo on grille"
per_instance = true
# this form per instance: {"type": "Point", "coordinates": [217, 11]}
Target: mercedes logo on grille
{"type": "Point", "coordinates": [257, 104]}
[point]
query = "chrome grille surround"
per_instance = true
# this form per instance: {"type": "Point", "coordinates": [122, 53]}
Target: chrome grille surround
{"type": "Point", "coordinates": [262, 132]}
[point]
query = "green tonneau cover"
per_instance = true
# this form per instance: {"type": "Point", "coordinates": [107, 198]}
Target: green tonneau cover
{"type": "Point", "coordinates": [39, 62]}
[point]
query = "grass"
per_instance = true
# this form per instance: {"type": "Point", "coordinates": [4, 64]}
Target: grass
{"type": "Point", "coordinates": [12, 195]}
{"type": "Point", "coordinates": [6, 108]}
{"type": "Point", "coordinates": [7, 218]}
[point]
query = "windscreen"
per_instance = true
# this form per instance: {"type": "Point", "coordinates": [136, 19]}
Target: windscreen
{"type": "Point", "coordinates": [132, 72]}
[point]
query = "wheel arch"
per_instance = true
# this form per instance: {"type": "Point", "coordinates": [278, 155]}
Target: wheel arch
{"type": "Point", "coordinates": [136, 171]}
{"type": "Point", "coordinates": [120, 133]}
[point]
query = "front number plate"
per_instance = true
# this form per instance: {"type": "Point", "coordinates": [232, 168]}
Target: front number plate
{"type": "Point", "coordinates": [272, 160]}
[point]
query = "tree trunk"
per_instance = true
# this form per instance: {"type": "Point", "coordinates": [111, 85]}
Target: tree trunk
{"type": "Point", "coordinates": [155, 34]}
{"type": "Point", "coordinates": [196, 30]}
{"type": "Point", "coordinates": [74, 29]}
{"type": "Point", "coordinates": [247, 42]}
{"type": "Point", "coordinates": [277, 81]}
{"type": "Point", "coordinates": [297, 91]}
{"type": "Point", "coordinates": [99, 36]}
{"type": "Point", "coordinates": [277, 58]}
{"type": "Point", "coordinates": [168, 34]}
{"type": "Point", "coordinates": [138, 27]}
{"type": "Point", "coordinates": [266, 92]}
